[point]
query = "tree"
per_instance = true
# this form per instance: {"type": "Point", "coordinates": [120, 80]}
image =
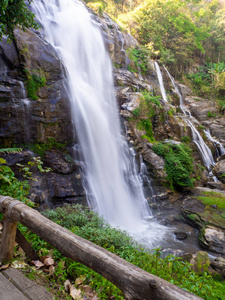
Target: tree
{"type": "Point", "coordinates": [13, 13]}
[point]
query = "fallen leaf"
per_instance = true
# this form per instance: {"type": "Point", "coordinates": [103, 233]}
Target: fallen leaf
{"type": "Point", "coordinates": [75, 293]}
{"type": "Point", "coordinates": [4, 267]}
{"type": "Point", "coordinates": [49, 261]}
{"type": "Point", "coordinates": [67, 286]}
{"type": "Point", "coordinates": [38, 264]}
{"type": "Point", "coordinates": [21, 253]}
{"type": "Point", "coordinates": [19, 264]}
{"type": "Point", "coordinates": [80, 280]}
{"type": "Point", "coordinates": [51, 270]}
{"type": "Point", "coordinates": [86, 288]}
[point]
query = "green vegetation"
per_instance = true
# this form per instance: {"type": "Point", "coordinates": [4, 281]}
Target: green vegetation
{"type": "Point", "coordinates": [213, 198]}
{"type": "Point", "coordinates": [34, 82]}
{"type": "Point", "coordinates": [88, 225]}
{"type": "Point", "coordinates": [11, 186]}
{"type": "Point", "coordinates": [144, 114]}
{"type": "Point", "coordinates": [178, 163]}
{"type": "Point", "coordinates": [51, 143]}
{"type": "Point", "coordinates": [12, 14]}
{"type": "Point", "coordinates": [140, 57]}
{"type": "Point", "coordinates": [209, 81]}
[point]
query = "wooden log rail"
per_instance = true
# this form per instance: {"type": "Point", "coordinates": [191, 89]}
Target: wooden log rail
{"type": "Point", "coordinates": [135, 283]}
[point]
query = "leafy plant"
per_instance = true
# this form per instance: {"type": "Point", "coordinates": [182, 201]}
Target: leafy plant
{"type": "Point", "coordinates": [34, 82]}
{"type": "Point", "coordinates": [140, 56]}
{"type": "Point", "coordinates": [11, 186]}
{"type": "Point", "coordinates": [178, 163]}
{"type": "Point", "coordinates": [14, 13]}
{"type": "Point", "coordinates": [87, 224]}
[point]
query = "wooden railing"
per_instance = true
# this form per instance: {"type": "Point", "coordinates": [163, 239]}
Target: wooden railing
{"type": "Point", "coordinates": [135, 283]}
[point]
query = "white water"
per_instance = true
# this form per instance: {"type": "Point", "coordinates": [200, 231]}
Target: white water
{"type": "Point", "coordinates": [111, 180]}
{"type": "Point", "coordinates": [204, 150]}
{"type": "Point", "coordinates": [160, 79]}
{"type": "Point", "coordinates": [220, 150]}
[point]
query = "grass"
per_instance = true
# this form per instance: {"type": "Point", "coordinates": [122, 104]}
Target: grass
{"type": "Point", "coordinates": [90, 226]}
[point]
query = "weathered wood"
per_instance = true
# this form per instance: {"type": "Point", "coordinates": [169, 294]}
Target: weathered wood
{"type": "Point", "coordinates": [135, 283]}
{"type": "Point", "coordinates": [8, 240]}
{"type": "Point", "coordinates": [8, 291]}
{"type": "Point", "coordinates": [30, 252]}
{"type": "Point", "coordinates": [29, 288]}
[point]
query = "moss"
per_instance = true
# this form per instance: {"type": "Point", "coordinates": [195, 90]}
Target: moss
{"type": "Point", "coordinates": [40, 148]}
{"type": "Point", "coordinates": [178, 163]}
{"type": "Point", "coordinates": [34, 82]}
{"type": "Point", "coordinates": [213, 198]}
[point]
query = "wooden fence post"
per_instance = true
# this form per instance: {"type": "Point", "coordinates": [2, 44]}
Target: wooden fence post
{"type": "Point", "coordinates": [8, 240]}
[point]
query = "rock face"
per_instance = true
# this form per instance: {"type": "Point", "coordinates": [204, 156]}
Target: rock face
{"type": "Point", "coordinates": [23, 120]}
{"type": "Point", "coordinates": [219, 170]}
{"type": "Point", "coordinates": [208, 217]}
{"type": "Point", "coordinates": [45, 122]}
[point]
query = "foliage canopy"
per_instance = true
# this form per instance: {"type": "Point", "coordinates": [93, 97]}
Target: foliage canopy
{"type": "Point", "coordinates": [13, 13]}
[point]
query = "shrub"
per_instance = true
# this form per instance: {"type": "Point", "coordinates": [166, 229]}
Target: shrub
{"type": "Point", "coordinates": [178, 163]}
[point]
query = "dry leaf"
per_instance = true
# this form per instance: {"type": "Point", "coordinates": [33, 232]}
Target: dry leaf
{"type": "Point", "coordinates": [19, 264]}
{"type": "Point", "coordinates": [86, 288]}
{"type": "Point", "coordinates": [75, 293]}
{"type": "Point", "coordinates": [67, 286]}
{"type": "Point", "coordinates": [51, 270]}
{"type": "Point", "coordinates": [21, 252]}
{"type": "Point", "coordinates": [95, 298]}
{"type": "Point", "coordinates": [49, 261]}
{"type": "Point", "coordinates": [1, 226]}
{"type": "Point", "coordinates": [80, 280]}
{"type": "Point", "coordinates": [4, 267]}
{"type": "Point", "coordinates": [38, 264]}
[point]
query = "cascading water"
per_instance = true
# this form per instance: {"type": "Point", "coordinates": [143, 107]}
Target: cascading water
{"type": "Point", "coordinates": [111, 181]}
{"type": "Point", "coordinates": [204, 150]}
{"type": "Point", "coordinates": [160, 79]}
{"type": "Point", "coordinates": [220, 150]}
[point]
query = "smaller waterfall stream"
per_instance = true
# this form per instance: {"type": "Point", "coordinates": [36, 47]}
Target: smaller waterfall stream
{"type": "Point", "coordinates": [204, 150]}
{"type": "Point", "coordinates": [160, 79]}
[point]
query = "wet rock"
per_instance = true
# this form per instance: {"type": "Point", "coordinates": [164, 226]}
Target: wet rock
{"type": "Point", "coordinates": [213, 238]}
{"type": "Point", "coordinates": [174, 252]}
{"type": "Point", "coordinates": [185, 90]}
{"type": "Point", "coordinates": [216, 185]}
{"type": "Point", "coordinates": [200, 261]}
{"type": "Point", "coordinates": [133, 101]}
{"type": "Point", "coordinates": [219, 170]}
{"type": "Point", "coordinates": [209, 220]}
{"type": "Point", "coordinates": [12, 159]}
{"type": "Point", "coordinates": [126, 78]}
{"type": "Point", "coordinates": [59, 162]}
{"type": "Point", "coordinates": [201, 108]}
{"type": "Point", "coordinates": [156, 163]}
{"type": "Point", "coordinates": [35, 54]}
{"type": "Point", "coordinates": [219, 266]}
{"type": "Point", "coordinates": [9, 53]}
{"type": "Point", "coordinates": [180, 235]}
{"type": "Point", "coordinates": [52, 187]}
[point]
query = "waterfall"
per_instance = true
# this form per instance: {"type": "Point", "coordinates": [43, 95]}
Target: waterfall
{"type": "Point", "coordinates": [111, 181]}
{"type": "Point", "coordinates": [203, 149]}
{"type": "Point", "coordinates": [220, 150]}
{"type": "Point", "coordinates": [160, 79]}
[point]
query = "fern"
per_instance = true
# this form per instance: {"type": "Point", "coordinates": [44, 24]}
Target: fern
{"type": "Point", "coordinates": [11, 150]}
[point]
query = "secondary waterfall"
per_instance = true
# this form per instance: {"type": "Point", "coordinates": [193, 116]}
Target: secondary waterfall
{"type": "Point", "coordinates": [111, 181]}
{"type": "Point", "coordinates": [204, 150]}
{"type": "Point", "coordinates": [160, 80]}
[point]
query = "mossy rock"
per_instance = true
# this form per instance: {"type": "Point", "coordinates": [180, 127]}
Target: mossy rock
{"type": "Point", "coordinates": [200, 262]}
